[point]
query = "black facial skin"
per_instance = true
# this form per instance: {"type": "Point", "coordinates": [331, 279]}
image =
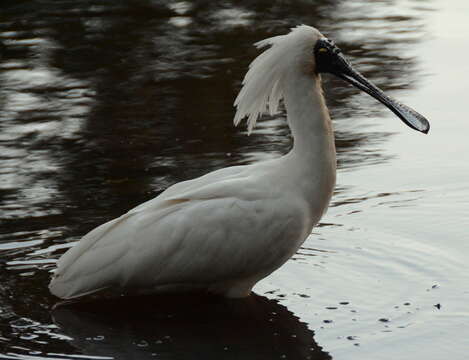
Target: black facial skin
{"type": "Point", "coordinates": [329, 59]}
{"type": "Point", "coordinates": [325, 53]}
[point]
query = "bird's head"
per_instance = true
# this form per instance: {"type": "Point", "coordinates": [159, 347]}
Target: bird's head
{"type": "Point", "coordinates": [306, 50]}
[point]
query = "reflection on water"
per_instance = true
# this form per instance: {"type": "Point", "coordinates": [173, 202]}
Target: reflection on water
{"type": "Point", "coordinates": [105, 104]}
{"type": "Point", "coordinates": [189, 327]}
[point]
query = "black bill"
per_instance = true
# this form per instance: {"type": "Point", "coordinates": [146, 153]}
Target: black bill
{"type": "Point", "coordinates": [329, 59]}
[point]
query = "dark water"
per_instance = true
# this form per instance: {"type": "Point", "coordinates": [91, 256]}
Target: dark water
{"type": "Point", "coordinates": [103, 104]}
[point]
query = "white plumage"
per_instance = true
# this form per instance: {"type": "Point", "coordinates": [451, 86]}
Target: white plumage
{"type": "Point", "coordinates": [224, 231]}
{"type": "Point", "coordinates": [264, 83]}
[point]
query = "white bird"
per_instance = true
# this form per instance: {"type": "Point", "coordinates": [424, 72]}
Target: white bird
{"type": "Point", "coordinates": [223, 232]}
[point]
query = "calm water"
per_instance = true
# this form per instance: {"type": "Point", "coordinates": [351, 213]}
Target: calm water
{"type": "Point", "coordinates": [103, 104]}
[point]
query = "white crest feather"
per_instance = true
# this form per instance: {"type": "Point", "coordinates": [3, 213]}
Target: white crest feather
{"type": "Point", "coordinates": [263, 84]}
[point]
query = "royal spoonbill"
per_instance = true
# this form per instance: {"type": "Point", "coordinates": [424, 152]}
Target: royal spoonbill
{"type": "Point", "coordinates": [223, 232]}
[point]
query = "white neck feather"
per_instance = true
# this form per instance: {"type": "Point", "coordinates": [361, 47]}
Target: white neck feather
{"type": "Point", "coordinates": [308, 116]}
{"type": "Point", "coordinates": [313, 156]}
{"type": "Point", "coordinates": [286, 71]}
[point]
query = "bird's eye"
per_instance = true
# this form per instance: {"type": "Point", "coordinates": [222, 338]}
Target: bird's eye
{"type": "Point", "coordinates": [324, 47]}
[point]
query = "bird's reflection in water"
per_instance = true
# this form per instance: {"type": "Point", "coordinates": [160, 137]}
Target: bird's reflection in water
{"type": "Point", "coordinates": [192, 327]}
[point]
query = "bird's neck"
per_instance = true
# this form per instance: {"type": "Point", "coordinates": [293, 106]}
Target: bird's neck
{"type": "Point", "coordinates": [312, 160]}
{"type": "Point", "coordinates": [309, 121]}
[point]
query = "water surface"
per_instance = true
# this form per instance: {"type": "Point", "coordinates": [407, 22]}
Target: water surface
{"type": "Point", "coordinates": [105, 104]}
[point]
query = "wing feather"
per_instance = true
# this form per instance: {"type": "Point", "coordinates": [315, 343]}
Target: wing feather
{"type": "Point", "coordinates": [88, 264]}
{"type": "Point", "coordinates": [195, 233]}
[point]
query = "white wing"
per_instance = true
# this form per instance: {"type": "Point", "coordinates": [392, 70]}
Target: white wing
{"type": "Point", "coordinates": [206, 236]}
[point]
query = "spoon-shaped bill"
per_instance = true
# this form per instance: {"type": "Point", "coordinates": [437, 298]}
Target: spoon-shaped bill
{"type": "Point", "coordinates": [330, 59]}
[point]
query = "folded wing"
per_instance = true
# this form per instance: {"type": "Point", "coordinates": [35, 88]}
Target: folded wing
{"type": "Point", "coordinates": [200, 238]}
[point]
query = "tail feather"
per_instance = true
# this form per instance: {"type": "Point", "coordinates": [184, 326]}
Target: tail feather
{"type": "Point", "coordinates": [87, 267]}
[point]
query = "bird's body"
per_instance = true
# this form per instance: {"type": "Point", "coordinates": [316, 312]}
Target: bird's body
{"type": "Point", "coordinates": [224, 231]}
